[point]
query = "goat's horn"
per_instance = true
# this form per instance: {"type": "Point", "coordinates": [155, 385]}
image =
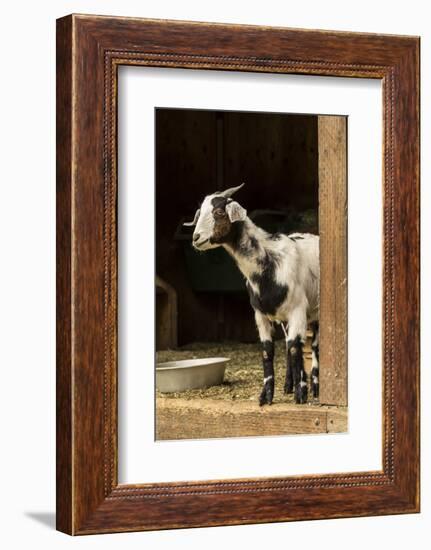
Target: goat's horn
{"type": "Point", "coordinates": [229, 192]}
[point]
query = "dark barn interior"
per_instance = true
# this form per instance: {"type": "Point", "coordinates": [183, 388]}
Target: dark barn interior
{"type": "Point", "coordinates": [198, 152]}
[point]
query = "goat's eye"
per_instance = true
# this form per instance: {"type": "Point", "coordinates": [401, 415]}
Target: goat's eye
{"type": "Point", "coordinates": [219, 213]}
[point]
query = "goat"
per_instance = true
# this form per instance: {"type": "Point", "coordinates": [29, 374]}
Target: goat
{"type": "Point", "coordinates": [282, 276]}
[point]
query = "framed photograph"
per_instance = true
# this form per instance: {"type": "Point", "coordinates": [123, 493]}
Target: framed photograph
{"type": "Point", "coordinates": [259, 264]}
{"type": "Point", "coordinates": [237, 274]}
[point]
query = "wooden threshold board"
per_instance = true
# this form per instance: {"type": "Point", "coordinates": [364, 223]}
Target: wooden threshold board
{"type": "Point", "coordinates": [198, 419]}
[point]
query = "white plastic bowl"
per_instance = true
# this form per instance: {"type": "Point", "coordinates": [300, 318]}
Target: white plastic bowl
{"type": "Point", "coordinates": [177, 376]}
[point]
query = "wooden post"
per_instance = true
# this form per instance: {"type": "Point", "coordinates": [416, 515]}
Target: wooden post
{"type": "Point", "coordinates": [332, 144]}
{"type": "Point", "coordinates": [167, 313]}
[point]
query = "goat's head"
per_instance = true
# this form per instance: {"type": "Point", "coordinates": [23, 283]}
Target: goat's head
{"type": "Point", "coordinates": [213, 220]}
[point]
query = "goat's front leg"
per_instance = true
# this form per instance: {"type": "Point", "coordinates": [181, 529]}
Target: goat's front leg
{"type": "Point", "coordinates": [288, 384]}
{"type": "Point", "coordinates": [295, 346]}
{"type": "Point", "coordinates": [264, 326]}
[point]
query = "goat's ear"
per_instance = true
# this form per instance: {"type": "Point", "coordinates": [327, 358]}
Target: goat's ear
{"type": "Point", "coordinates": [236, 212]}
{"type": "Point", "coordinates": [195, 221]}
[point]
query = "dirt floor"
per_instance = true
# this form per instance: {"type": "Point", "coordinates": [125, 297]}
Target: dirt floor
{"type": "Point", "coordinates": [243, 377]}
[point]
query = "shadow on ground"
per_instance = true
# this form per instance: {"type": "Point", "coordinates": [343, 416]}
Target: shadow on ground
{"type": "Point", "coordinates": [45, 518]}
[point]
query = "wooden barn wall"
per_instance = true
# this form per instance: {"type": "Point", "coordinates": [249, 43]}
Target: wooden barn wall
{"type": "Point", "coordinates": [276, 156]}
{"type": "Point", "coordinates": [198, 152]}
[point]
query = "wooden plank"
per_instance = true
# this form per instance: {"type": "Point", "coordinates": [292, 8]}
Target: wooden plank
{"type": "Point", "coordinates": [205, 419]}
{"type": "Point", "coordinates": [333, 259]}
{"type": "Point", "coordinates": [337, 420]}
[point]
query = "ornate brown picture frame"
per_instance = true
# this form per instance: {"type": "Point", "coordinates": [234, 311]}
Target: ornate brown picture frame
{"type": "Point", "coordinates": [89, 51]}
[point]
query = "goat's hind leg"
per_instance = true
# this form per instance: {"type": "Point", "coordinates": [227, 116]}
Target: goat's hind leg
{"type": "Point", "coordinates": [315, 360]}
{"type": "Point", "coordinates": [265, 329]}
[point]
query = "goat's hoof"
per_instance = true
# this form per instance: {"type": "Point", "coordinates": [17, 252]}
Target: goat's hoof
{"type": "Point", "coordinates": [288, 388]}
{"type": "Point", "coordinates": [315, 382]}
{"type": "Point", "coordinates": [301, 393]}
{"type": "Point", "coordinates": [267, 393]}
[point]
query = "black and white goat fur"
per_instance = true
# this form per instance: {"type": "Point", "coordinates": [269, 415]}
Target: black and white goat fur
{"type": "Point", "coordinates": [282, 278]}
